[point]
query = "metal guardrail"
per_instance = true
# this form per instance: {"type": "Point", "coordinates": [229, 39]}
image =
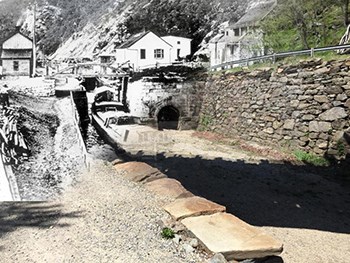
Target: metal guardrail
{"type": "Point", "coordinates": [274, 56]}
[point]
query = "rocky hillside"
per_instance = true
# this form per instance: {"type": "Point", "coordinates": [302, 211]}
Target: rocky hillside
{"type": "Point", "coordinates": [83, 28]}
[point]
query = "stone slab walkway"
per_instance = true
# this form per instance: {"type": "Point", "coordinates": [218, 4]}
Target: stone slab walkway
{"type": "Point", "coordinates": [235, 239]}
{"type": "Point", "coordinates": [219, 232]}
{"type": "Point", "coordinates": [192, 206]}
{"type": "Point", "coordinates": [168, 187]}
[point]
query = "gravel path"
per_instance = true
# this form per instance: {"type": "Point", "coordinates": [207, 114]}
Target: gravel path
{"type": "Point", "coordinates": [307, 211]}
{"type": "Point", "coordinates": [103, 219]}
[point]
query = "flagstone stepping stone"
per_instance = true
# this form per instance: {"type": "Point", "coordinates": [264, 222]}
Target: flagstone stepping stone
{"type": "Point", "coordinates": [140, 172]}
{"type": "Point", "coordinates": [168, 187]}
{"type": "Point", "coordinates": [192, 206]}
{"type": "Point", "coordinates": [236, 240]}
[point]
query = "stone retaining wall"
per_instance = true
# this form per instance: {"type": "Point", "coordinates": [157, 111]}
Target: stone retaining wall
{"type": "Point", "coordinates": [304, 106]}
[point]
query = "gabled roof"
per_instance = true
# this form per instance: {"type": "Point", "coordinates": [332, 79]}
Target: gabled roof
{"type": "Point", "coordinates": [133, 39]}
{"type": "Point", "coordinates": [216, 38]}
{"type": "Point", "coordinates": [255, 13]}
{"type": "Point", "coordinates": [137, 37]}
{"type": "Point", "coordinates": [12, 35]}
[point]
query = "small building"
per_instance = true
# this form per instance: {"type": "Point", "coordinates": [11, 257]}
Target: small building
{"type": "Point", "coordinates": [147, 50]}
{"type": "Point", "coordinates": [243, 39]}
{"type": "Point", "coordinates": [181, 47]}
{"type": "Point", "coordinates": [17, 55]}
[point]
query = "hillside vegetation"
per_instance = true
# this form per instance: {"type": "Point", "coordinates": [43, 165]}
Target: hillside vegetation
{"type": "Point", "coordinates": [293, 25]}
{"type": "Point", "coordinates": [303, 24]}
{"type": "Point", "coordinates": [10, 11]}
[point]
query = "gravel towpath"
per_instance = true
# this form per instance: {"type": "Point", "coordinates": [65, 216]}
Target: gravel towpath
{"type": "Point", "coordinates": [105, 218]}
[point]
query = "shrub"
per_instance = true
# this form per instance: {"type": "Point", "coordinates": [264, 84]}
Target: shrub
{"type": "Point", "coordinates": [167, 233]}
{"type": "Point", "coordinates": [311, 158]}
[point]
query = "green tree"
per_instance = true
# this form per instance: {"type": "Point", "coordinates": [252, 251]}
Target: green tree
{"type": "Point", "coordinates": [301, 24]}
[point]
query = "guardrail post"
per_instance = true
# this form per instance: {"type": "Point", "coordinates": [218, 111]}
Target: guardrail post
{"type": "Point", "coordinates": [312, 51]}
{"type": "Point", "coordinates": [274, 58]}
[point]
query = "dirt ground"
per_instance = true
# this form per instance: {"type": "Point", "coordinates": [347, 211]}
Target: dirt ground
{"type": "Point", "coordinates": [307, 209]}
{"type": "Point", "coordinates": [104, 218]}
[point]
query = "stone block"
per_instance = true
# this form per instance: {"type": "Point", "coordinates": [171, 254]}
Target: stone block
{"type": "Point", "coordinates": [304, 97]}
{"type": "Point", "coordinates": [294, 103]}
{"type": "Point", "coordinates": [226, 234]}
{"type": "Point", "coordinates": [342, 97]}
{"type": "Point", "coordinates": [319, 126]}
{"type": "Point", "coordinates": [308, 117]}
{"type": "Point", "coordinates": [140, 172]}
{"type": "Point", "coordinates": [321, 98]}
{"type": "Point", "coordinates": [303, 106]}
{"type": "Point", "coordinates": [277, 124]}
{"type": "Point", "coordinates": [336, 103]}
{"type": "Point", "coordinates": [347, 103]}
{"type": "Point", "coordinates": [333, 114]}
{"type": "Point", "coordinates": [289, 124]}
{"type": "Point", "coordinates": [192, 206]}
{"type": "Point", "coordinates": [334, 90]}
{"type": "Point", "coordinates": [269, 130]}
{"type": "Point", "coordinates": [168, 187]}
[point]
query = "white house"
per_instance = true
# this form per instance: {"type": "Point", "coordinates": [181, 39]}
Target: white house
{"type": "Point", "coordinates": [146, 50]}
{"type": "Point", "coordinates": [243, 39]}
{"type": "Point", "coordinates": [17, 55]}
{"type": "Point", "coordinates": [181, 47]}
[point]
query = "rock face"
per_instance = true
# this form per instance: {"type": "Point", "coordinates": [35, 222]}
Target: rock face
{"type": "Point", "coordinates": [226, 234]}
{"type": "Point", "coordinates": [302, 107]}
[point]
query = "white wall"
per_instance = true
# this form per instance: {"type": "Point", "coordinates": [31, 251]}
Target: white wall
{"type": "Point", "coordinates": [150, 42]}
{"type": "Point", "coordinates": [123, 55]}
{"type": "Point", "coordinates": [181, 43]}
{"type": "Point", "coordinates": [23, 67]}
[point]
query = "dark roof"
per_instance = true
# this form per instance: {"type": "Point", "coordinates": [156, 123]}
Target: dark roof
{"type": "Point", "coordinates": [133, 39]}
{"type": "Point", "coordinates": [255, 14]}
{"type": "Point", "coordinates": [18, 53]}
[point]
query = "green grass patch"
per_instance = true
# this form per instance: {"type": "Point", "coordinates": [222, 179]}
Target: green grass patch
{"type": "Point", "coordinates": [167, 233]}
{"type": "Point", "coordinates": [311, 158]}
{"type": "Point", "coordinates": [205, 121]}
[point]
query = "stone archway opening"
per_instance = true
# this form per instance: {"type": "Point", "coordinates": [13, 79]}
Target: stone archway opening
{"type": "Point", "coordinates": [168, 118]}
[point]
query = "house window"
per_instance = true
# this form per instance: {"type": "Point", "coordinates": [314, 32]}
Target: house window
{"type": "Point", "coordinates": [178, 42]}
{"type": "Point", "coordinates": [226, 33]}
{"type": "Point", "coordinates": [232, 49]}
{"type": "Point", "coordinates": [159, 53]}
{"type": "Point", "coordinates": [143, 53]}
{"type": "Point", "coordinates": [236, 32]}
{"type": "Point", "coordinates": [15, 65]}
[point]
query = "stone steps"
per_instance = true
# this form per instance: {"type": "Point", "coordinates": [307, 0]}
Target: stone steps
{"type": "Point", "coordinates": [218, 232]}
